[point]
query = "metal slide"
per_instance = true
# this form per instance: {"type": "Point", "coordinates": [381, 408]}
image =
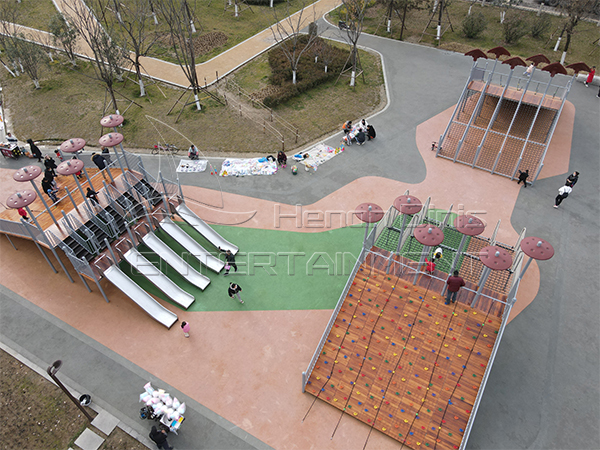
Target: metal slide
{"type": "Point", "coordinates": [175, 261]}
{"type": "Point", "coordinates": [202, 227]}
{"type": "Point", "coordinates": [158, 279]}
{"type": "Point", "coordinates": [186, 241]}
{"type": "Point", "coordinates": [139, 296]}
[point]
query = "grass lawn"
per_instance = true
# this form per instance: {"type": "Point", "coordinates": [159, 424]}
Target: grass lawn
{"type": "Point", "coordinates": [580, 49]}
{"type": "Point", "coordinates": [277, 270]}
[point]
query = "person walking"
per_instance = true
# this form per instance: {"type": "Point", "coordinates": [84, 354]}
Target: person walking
{"type": "Point", "coordinates": [590, 77]}
{"type": "Point", "coordinates": [572, 179]}
{"type": "Point", "coordinates": [454, 284]}
{"type": "Point", "coordinates": [563, 193]}
{"type": "Point", "coordinates": [234, 290]}
{"type": "Point", "coordinates": [160, 438]}
{"type": "Point", "coordinates": [230, 260]}
{"type": "Point", "coordinates": [523, 177]}
{"type": "Point", "coordinates": [93, 196]}
{"type": "Point", "coordinates": [186, 329]}
{"type": "Point", "coordinates": [35, 151]}
{"type": "Point", "coordinates": [50, 164]}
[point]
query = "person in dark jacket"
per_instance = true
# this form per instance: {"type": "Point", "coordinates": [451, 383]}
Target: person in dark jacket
{"type": "Point", "coordinates": [371, 132]}
{"type": "Point", "coordinates": [49, 189]}
{"type": "Point", "coordinates": [93, 196]}
{"type": "Point", "coordinates": [230, 258]}
{"type": "Point", "coordinates": [282, 158]}
{"type": "Point", "coordinates": [572, 179]}
{"type": "Point", "coordinates": [160, 438]}
{"type": "Point", "coordinates": [523, 177]}
{"type": "Point", "coordinates": [35, 151]}
{"type": "Point", "coordinates": [234, 290]}
{"type": "Point", "coordinates": [49, 163]}
{"type": "Point", "coordinates": [99, 160]}
{"type": "Point", "coordinates": [360, 138]}
{"type": "Point", "coordinates": [454, 284]}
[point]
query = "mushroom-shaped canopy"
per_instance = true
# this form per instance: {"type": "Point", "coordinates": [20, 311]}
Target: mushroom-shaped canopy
{"type": "Point", "coordinates": [499, 51]}
{"type": "Point", "coordinates": [537, 248]}
{"type": "Point", "coordinates": [476, 54]}
{"type": "Point", "coordinates": [72, 145]}
{"type": "Point", "coordinates": [537, 59]}
{"type": "Point", "coordinates": [112, 120]}
{"type": "Point", "coordinates": [70, 167]}
{"type": "Point", "coordinates": [496, 258]}
{"type": "Point", "coordinates": [555, 68]}
{"type": "Point", "coordinates": [27, 173]}
{"type": "Point", "coordinates": [579, 67]}
{"type": "Point", "coordinates": [21, 198]}
{"type": "Point", "coordinates": [428, 235]}
{"type": "Point", "coordinates": [111, 139]}
{"type": "Point", "coordinates": [514, 62]}
{"type": "Point", "coordinates": [375, 214]}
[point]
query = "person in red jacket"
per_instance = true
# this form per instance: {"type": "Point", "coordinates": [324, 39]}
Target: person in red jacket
{"type": "Point", "coordinates": [590, 77]}
{"type": "Point", "coordinates": [454, 284]}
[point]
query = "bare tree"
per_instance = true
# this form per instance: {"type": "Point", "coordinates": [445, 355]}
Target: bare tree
{"type": "Point", "coordinates": [286, 33]}
{"type": "Point", "coordinates": [353, 26]}
{"type": "Point", "coordinates": [20, 49]}
{"type": "Point", "coordinates": [64, 36]}
{"type": "Point", "coordinates": [138, 31]}
{"type": "Point", "coordinates": [108, 55]}
{"type": "Point", "coordinates": [178, 17]}
{"type": "Point", "coordinates": [574, 11]}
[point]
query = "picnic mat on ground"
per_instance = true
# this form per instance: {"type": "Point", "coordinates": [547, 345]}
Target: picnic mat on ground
{"type": "Point", "coordinates": [317, 155]}
{"type": "Point", "coordinates": [237, 167]}
{"type": "Point", "coordinates": [186, 165]}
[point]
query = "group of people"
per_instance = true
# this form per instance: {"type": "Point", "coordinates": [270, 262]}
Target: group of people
{"type": "Point", "coordinates": [564, 191]}
{"type": "Point", "coordinates": [359, 133]}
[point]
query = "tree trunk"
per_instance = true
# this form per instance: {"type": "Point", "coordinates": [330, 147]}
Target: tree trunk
{"type": "Point", "coordinates": [139, 77]}
{"type": "Point", "coordinates": [197, 100]}
{"type": "Point", "coordinates": [403, 20]}
{"type": "Point", "coordinates": [294, 76]}
{"type": "Point", "coordinates": [36, 83]}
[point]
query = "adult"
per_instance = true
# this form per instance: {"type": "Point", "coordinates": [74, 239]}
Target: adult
{"type": "Point", "coordinates": [454, 284]}
{"type": "Point", "coordinates": [11, 139]}
{"type": "Point", "coordinates": [50, 164]}
{"type": "Point", "coordinates": [193, 152]}
{"type": "Point", "coordinates": [347, 127]}
{"type": "Point", "coordinates": [590, 77]}
{"type": "Point", "coordinates": [93, 196]}
{"type": "Point", "coordinates": [371, 132]}
{"type": "Point", "coordinates": [35, 151]}
{"type": "Point", "coordinates": [360, 138]}
{"type": "Point", "coordinates": [234, 291]}
{"type": "Point", "coordinates": [362, 125]}
{"type": "Point", "coordinates": [185, 326]}
{"type": "Point", "coordinates": [523, 177]}
{"type": "Point", "coordinates": [99, 160]}
{"type": "Point", "coordinates": [282, 158]}
{"type": "Point", "coordinates": [230, 259]}
{"type": "Point", "coordinates": [50, 174]}
{"type": "Point", "coordinates": [49, 189]}
{"type": "Point", "coordinates": [160, 438]}
{"type": "Point", "coordinates": [563, 193]}
{"type": "Point", "coordinates": [106, 155]}
{"type": "Point", "coordinates": [572, 179]}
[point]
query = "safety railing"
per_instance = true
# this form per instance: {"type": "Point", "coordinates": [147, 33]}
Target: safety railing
{"type": "Point", "coordinates": [81, 234]}
{"type": "Point", "coordinates": [315, 357]}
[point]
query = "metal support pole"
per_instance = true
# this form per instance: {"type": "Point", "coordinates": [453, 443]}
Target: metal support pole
{"type": "Point", "coordinates": [11, 242]}
{"type": "Point", "coordinates": [148, 218]}
{"type": "Point", "coordinates": [110, 249]}
{"type": "Point", "coordinates": [180, 190]}
{"type": "Point", "coordinates": [458, 253]}
{"type": "Point", "coordinates": [84, 282]}
{"type": "Point", "coordinates": [421, 261]}
{"type": "Point", "coordinates": [484, 277]}
{"type": "Point", "coordinates": [71, 198]}
{"type": "Point", "coordinates": [119, 160]}
{"type": "Point", "coordinates": [525, 269]}
{"type": "Point", "coordinates": [112, 180]}
{"type": "Point", "coordinates": [162, 180]}
{"type": "Point", "coordinates": [133, 242]}
{"type": "Point", "coordinates": [89, 180]}
{"type": "Point", "coordinates": [36, 243]}
{"type": "Point", "coordinates": [52, 370]}
{"type": "Point", "coordinates": [45, 204]}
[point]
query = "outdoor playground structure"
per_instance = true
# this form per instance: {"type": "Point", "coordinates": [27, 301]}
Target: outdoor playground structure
{"type": "Point", "coordinates": [96, 237]}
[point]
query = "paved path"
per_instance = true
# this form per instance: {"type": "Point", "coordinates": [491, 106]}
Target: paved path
{"type": "Point", "coordinates": [544, 388]}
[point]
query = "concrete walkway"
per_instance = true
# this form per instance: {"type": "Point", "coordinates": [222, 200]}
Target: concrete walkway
{"type": "Point", "coordinates": [544, 389]}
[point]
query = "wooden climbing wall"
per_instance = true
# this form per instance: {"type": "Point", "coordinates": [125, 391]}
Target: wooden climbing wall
{"type": "Point", "coordinates": [404, 363]}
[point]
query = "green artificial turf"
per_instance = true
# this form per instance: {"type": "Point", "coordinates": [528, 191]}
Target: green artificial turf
{"type": "Point", "coordinates": [277, 270]}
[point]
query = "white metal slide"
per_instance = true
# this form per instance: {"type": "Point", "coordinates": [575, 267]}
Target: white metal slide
{"type": "Point", "coordinates": [186, 241]}
{"type": "Point", "coordinates": [204, 229]}
{"type": "Point", "coordinates": [158, 279]}
{"type": "Point", "coordinates": [139, 296]}
{"type": "Point", "coordinates": [175, 261]}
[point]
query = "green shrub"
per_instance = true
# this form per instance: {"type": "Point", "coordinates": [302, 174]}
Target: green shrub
{"type": "Point", "coordinates": [514, 27]}
{"type": "Point", "coordinates": [473, 25]}
{"type": "Point", "coordinates": [309, 73]}
{"type": "Point", "coordinates": [540, 25]}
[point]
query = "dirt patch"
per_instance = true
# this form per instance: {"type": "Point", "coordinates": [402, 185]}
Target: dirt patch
{"type": "Point", "coordinates": [36, 414]}
{"type": "Point", "coordinates": [208, 42]}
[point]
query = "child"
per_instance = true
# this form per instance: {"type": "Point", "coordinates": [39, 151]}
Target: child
{"type": "Point", "coordinates": [186, 329]}
{"type": "Point", "coordinates": [282, 159]}
{"type": "Point", "coordinates": [23, 213]}
{"type": "Point", "coordinates": [590, 77]}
